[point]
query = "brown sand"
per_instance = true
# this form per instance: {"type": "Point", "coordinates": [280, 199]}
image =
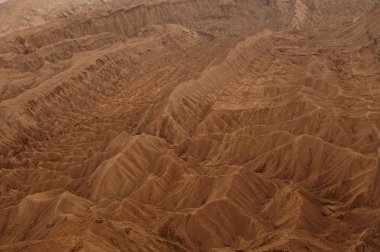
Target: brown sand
{"type": "Point", "coordinates": [197, 125]}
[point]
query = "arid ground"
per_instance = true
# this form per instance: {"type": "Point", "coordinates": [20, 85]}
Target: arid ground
{"type": "Point", "coordinates": [190, 125]}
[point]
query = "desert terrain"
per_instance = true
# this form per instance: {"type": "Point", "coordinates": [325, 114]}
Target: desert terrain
{"type": "Point", "coordinates": [190, 125]}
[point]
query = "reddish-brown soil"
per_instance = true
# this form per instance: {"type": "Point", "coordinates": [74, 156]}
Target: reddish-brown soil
{"type": "Point", "coordinates": [197, 125]}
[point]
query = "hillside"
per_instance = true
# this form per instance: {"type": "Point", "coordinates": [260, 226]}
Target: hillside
{"type": "Point", "coordinates": [198, 125]}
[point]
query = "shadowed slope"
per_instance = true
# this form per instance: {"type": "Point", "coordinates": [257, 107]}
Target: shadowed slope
{"type": "Point", "coordinates": [192, 126]}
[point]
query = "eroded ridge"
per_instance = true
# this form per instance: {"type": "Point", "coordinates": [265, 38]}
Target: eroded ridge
{"type": "Point", "coordinates": [192, 126]}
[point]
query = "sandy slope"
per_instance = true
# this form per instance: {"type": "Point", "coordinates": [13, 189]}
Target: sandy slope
{"type": "Point", "coordinates": [16, 14]}
{"type": "Point", "coordinates": [191, 126]}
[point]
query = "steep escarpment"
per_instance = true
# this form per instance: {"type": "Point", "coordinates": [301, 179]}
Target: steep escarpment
{"type": "Point", "coordinates": [191, 126]}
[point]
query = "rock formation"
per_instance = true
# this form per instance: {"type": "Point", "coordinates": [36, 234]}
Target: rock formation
{"type": "Point", "coordinates": [197, 125]}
